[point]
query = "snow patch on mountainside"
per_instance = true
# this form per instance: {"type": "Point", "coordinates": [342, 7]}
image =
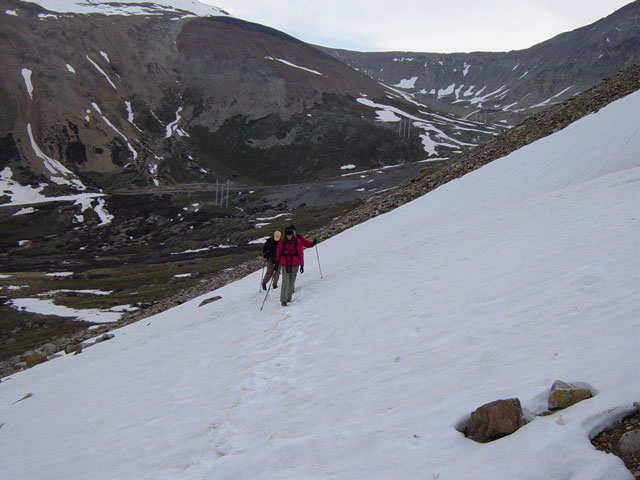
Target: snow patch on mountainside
{"type": "Point", "coordinates": [29, 195]}
{"type": "Point", "coordinates": [431, 134]}
{"type": "Point", "coordinates": [407, 83]}
{"type": "Point", "coordinates": [26, 74]}
{"type": "Point", "coordinates": [59, 172]}
{"type": "Point", "coordinates": [291, 64]}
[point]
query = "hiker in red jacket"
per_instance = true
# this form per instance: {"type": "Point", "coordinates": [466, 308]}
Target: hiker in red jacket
{"type": "Point", "coordinates": [290, 258]}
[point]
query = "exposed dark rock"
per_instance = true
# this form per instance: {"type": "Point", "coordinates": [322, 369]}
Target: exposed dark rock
{"type": "Point", "coordinates": [28, 395]}
{"type": "Point", "coordinates": [76, 152]}
{"type": "Point", "coordinates": [8, 150]}
{"type": "Point", "coordinates": [209, 300]}
{"type": "Point", "coordinates": [104, 338]}
{"type": "Point", "coordinates": [495, 420]}
{"type": "Point", "coordinates": [630, 442]}
{"type": "Point", "coordinates": [610, 441]}
{"type": "Point", "coordinates": [74, 348]}
{"type": "Point", "coordinates": [251, 117]}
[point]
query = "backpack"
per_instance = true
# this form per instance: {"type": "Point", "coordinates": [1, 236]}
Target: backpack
{"type": "Point", "coordinates": [289, 250]}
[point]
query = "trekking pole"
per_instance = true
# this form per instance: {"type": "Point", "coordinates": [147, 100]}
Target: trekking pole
{"type": "Point", "coordinates": [318, 256]}
{"type": "Point", "coordinates": [262, 275]}
{"type": "Point", "coordinates": [265, 297]}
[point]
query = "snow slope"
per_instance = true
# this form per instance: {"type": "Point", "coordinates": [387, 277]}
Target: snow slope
{"type": "Point", "coordinates": [492, 286]}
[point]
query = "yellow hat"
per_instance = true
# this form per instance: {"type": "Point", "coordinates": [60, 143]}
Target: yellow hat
{"type": "Point", "coordinates": [276, 235]}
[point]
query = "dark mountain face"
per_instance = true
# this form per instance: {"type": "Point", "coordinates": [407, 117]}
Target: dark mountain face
{"type": "Point", "coordinates": [114, 101]}
{"type": "Point", "coordinates": [507, 87]}
{"type": "Point", "coordinates": [121, 101]}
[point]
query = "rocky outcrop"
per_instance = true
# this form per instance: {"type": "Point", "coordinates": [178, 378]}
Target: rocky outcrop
{"type": "Point", "coordinates": [623, 440]}
{"type": "Point", "coordinates": [68, 345]}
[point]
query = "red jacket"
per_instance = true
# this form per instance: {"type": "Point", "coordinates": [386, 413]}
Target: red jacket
{"type": "Point", "coordinates": [291, 254]}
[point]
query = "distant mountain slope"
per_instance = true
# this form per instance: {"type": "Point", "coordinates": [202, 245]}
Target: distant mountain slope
{"type": "Point", "coordinates": [150, 95]}
{"type": "Point", "coordinates": [534, 128]}
{"type": "Point", "coordinates": [104, 95]}
{"type": "Point", "coordinates": [507, 87]}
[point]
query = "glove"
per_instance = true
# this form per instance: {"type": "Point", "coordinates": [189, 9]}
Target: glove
{"type": "Point", "coordinates": [301, 268]}
{"type": "Point", "coordinates": [315, 242]}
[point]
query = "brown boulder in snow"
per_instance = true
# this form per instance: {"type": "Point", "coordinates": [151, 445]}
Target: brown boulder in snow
{"type": "Point", "coordinates": [564, 395]}
{"type": "Point", "coordinates": [494, 420]}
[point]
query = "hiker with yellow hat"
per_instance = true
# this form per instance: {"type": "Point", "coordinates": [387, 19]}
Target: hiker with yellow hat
{"type": "Point", "coordinates": [269, 253]}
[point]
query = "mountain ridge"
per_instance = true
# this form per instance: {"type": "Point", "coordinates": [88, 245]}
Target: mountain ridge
{"type": "Point", "coordinates": [150, 100]}
{"type": "Point", "coordinates": [508, 86]}
{"type": "Point", "coordinates": [133, 101]}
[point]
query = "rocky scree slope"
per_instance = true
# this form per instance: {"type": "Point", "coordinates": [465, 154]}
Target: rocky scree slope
{"type": "Point", "coordinates": [509, 86]}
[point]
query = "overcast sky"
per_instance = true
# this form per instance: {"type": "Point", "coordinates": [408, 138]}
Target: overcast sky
{"type": "Point", "coordinates": [441, 26]}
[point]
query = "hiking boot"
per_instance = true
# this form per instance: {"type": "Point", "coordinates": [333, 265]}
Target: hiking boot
{"type": "Point", "coordinates": [284, 304]}
{"type": "Point", "coordinates": [275, 286]}
{"type": "Point", "coordinates": [264, 286]}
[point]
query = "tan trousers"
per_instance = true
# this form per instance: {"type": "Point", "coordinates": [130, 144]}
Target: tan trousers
{"type": "Point", "coordinates": [288, 282]}
{"type": "Point", "coordinates": [271, 271]}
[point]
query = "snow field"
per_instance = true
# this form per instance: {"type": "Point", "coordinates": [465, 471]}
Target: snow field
{"type": "Point", "coordinates": [492, 286]}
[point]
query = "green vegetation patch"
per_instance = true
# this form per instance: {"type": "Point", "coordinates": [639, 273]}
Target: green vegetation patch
{"type": "Point", "coordinates": [310, 146]}
{"type": "Point", "coordinates": [20, 332]}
